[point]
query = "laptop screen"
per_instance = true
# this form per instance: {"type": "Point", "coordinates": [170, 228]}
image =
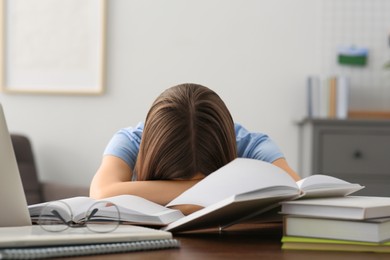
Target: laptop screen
{"type": "Point", "coordinates": [13, 202]}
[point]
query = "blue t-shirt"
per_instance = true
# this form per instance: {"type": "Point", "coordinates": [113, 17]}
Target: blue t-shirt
{"type": "Point", "coordinates": [126, 142]}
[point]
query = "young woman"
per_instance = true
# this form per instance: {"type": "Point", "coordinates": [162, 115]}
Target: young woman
{"type": "Point", "coordinates": [188, 134]}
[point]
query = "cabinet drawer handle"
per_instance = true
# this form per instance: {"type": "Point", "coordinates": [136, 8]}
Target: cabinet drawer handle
{"type": "Point", "coordinates": [357, 154]}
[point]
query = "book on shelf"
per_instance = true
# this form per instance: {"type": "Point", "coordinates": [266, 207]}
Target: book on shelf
{"type": "Point", "coordinates": [241, 190]}
{"type": "Point", "coordinates": [342, 97]}
{"type": "Point", "coordinates": [327, 98]}
{"type": "Point", "coordinates": [314, 94]}
{"type": "Point", "coordinates": [320, 244]}
{"type": "Point", "coordinates": [370, 230]}
{"type": "Point", "coordinates": [348, 207]}
{"type": "Point", "coordinates": [332, 97]}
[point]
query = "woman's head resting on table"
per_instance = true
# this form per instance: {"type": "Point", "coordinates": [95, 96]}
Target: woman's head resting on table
{"type": "Point", "coordinates": [189, 132]}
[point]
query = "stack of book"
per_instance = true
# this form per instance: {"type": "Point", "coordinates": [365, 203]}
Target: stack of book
{"type": "Point", "coordinates": [352, 223]}
{"type": "Point", "coordinates": [327, 98]}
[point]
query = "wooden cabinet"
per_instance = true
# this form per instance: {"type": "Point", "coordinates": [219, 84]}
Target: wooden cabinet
{"type": "Point", "coordinates": [353, 150]}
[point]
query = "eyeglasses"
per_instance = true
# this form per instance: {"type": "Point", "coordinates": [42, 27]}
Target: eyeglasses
{"type": "Point", "coordinates": [58, 216]}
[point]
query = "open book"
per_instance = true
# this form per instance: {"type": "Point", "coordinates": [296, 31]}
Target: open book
{"type": "Point", "coordinates": [246, 189]}
{"type": "Point", "coordinates": [240, 190]}
{"type": "Point", "coordinates": [132, 209]}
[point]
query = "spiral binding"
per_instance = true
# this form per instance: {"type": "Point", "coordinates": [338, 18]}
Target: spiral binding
{"type": "Point", "coordinates": [93, 249]}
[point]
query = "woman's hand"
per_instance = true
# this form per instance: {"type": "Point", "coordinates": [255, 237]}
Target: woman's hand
{"type": "Point", "coordinates": [282, 163]}
{"type": "Point", "coordinates": [187, 209]}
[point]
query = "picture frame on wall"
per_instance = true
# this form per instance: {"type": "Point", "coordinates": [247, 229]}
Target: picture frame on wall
{"type": "Point", "coordinates": [54, 47]}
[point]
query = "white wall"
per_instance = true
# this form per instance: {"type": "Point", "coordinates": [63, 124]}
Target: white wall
{"type": "Point", "coordinates": [254, 53]}
{"type": "Point", "coordinates": [359, 23]}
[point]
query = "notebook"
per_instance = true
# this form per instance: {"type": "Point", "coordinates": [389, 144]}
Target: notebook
{"type": "Point", "coordinates": [17, 234]}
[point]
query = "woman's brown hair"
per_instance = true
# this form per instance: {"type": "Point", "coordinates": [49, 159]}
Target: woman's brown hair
{"type": "Point", "coordinates": [188, 130]}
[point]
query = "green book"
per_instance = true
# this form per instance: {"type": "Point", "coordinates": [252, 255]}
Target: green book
{"type": "Point", "coordinates": [320, 244]}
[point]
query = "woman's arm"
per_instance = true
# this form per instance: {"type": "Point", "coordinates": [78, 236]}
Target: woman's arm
{"type": "Point", "coordinates": [282, 163]}
{"type": "Point", "coordinates": [114, 178]}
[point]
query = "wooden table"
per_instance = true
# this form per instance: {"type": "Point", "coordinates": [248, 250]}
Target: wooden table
{"type": "Point", "coordinates": [242, 242]}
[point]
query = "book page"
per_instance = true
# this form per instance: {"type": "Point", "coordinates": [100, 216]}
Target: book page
{"type": "Point", "coordinates": [137, 205]}
{"type": "Point", "coordinates": [65, 207]}
{"type": "Point", "coordinates": [74, 203]}
{"type": "Point", "coordinates": [239, 176]}
{"type": "Point", "coordinates": [323, 185]}
{"type": "Point", "coordinates": [80, 202]}
{"type": "Point", "coordinates": [319, 181]}
{"type": "Point", "coordinates": [132, 208]}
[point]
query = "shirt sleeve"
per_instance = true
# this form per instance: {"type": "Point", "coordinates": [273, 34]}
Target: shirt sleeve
{"type": "Point", "coordinates": [256, 145]}
{"type": "Point", "coordinates": [125, 144]}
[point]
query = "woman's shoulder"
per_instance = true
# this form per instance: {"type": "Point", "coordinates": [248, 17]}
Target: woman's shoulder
{"type": "Point", "coordinates": [238, 126]}
{"type": "Point", "coordinates": [130, 133]}
{"type": "Point", "coordinates": [138, 129]}
{"type": "Point", "coordinates": [241, 131]}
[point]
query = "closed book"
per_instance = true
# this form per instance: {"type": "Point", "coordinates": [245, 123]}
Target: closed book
{"type": "Point", "coordinates": [319, 244]}
{"type": "Point", "coordinates": [371, 230]}
{"type": "Point", "coordinates": [342, 97]}
{"type": "Point", "coordinates": [332, 97]}
{"type": "Point", "coordinates": [349, 207]}
{"type": "Point", "coordinates": [313, 97]}
{"type": "Point", "coordinates": [324, 102]}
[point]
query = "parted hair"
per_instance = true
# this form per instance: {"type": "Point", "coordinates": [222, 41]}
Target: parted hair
{"type": "Point", "coordinates": [188, 130]}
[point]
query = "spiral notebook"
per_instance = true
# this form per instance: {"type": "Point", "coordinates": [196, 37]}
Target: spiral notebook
{"type": "Point", "coordinates": [18, 237]}
{"type": "Point", "coordinates": [31, 242]}
{"type": "Point", "coordinates": [89, 249]}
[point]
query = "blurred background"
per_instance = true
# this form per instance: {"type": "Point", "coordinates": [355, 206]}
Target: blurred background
{"type": "Point", "coordinates": [256, 54]}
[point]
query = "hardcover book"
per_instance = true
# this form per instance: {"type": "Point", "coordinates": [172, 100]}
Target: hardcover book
{"type": "Point", "coordinates": [371, 230]}
{"type": "Point", "coordinates": [349, 207]}
{"type": "Point", "coordinates": [318, 244]}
